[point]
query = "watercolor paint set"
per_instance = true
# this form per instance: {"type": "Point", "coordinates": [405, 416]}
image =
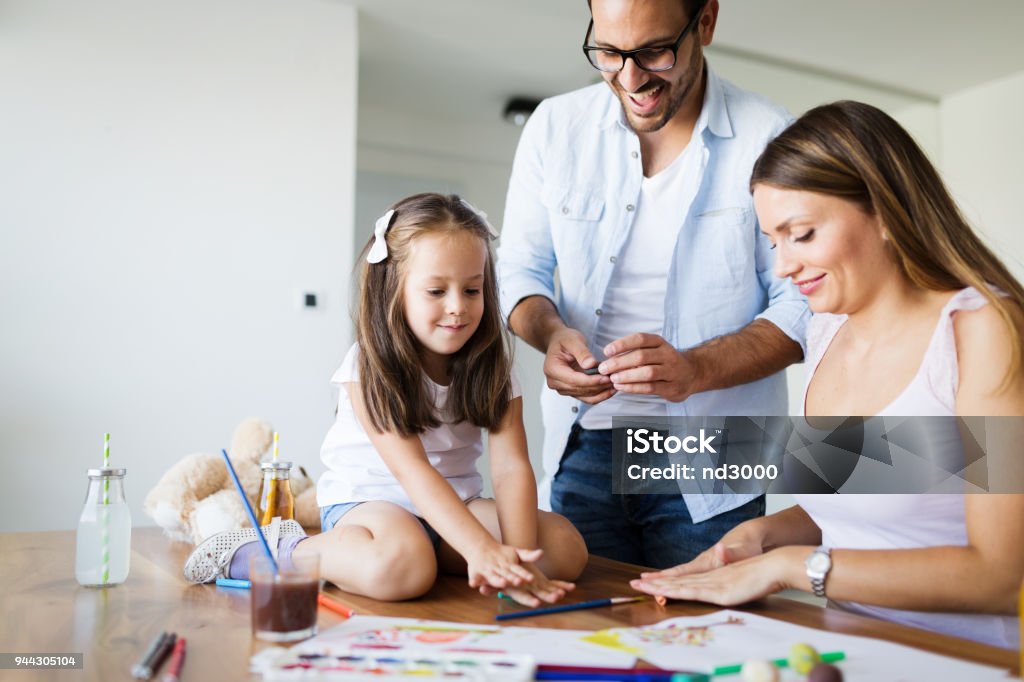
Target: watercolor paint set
{"type": "Point", "coordinates": [388, 666]}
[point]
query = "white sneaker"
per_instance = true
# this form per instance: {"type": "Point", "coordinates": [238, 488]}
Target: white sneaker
{"type": "Point", "coordinates": [212, 557]}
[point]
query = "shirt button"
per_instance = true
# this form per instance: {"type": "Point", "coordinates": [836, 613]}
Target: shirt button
{"type": "Point", "coordinates": [634, 154]}
{"type": "Point", "coordinates": [613, 259]}
{"type": "Point", "coordinates": [565, 210]}
{"type": "Point", "coordinates": [630, 207]}
{"type": "Point", "coordinates": [575, 409]}
{"type": "Point", "coordinates": [599, 312]}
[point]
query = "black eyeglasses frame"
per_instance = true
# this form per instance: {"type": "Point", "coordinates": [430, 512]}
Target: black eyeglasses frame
{"type": "Point", "coordinates": [632, 54]}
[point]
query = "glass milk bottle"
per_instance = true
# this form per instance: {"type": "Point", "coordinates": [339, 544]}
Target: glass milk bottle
{"type": "Point", "coordinates": [104, 531]}
{"type": "Point", "coordinates": [276, 492]}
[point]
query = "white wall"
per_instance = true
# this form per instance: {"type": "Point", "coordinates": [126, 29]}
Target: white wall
{"type": "Point", "coordinates": [472, 159]}
{"type": "Point", "coordinates": [173, 174]}
{"type": "Point", "coordinates": [982, 148]}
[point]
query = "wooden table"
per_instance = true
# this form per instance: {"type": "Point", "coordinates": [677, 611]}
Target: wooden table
{"type": "Point", "coordinates": [45, 611]}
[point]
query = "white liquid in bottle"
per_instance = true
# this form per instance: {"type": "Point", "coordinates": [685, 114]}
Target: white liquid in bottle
{"type": "Point", "coordinates": [103, 543]}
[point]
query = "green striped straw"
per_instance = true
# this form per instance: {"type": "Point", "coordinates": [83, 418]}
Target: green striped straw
{"type": "Point", "coordinates": [105, 527]}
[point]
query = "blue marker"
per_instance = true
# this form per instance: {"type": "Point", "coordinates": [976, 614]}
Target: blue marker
{"type": "Point", "coordinates": [633, 675]}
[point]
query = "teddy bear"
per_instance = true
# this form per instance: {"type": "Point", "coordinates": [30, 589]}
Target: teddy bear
{"type": "Point", "coordinates": [196, 497]}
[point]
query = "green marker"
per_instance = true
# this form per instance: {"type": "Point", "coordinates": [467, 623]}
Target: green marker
{"type": "Point", "coordinates": [830, 657]}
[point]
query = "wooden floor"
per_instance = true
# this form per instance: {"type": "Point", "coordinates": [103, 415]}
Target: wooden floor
{"type": "Point", "coordinates": [43, 610]}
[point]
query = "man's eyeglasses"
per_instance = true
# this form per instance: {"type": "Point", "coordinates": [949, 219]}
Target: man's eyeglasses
{"type": "Point", "coordinates": [657, 58]}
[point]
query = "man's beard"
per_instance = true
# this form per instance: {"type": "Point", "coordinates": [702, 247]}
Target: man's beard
{"type": "Point", "coordinates": [675, 95]}
{"type": "Point", "coordinates": [650, 124]}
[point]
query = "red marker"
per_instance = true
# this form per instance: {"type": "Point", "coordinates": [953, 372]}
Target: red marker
{"type": "Point", "coordinates": [177, 661]}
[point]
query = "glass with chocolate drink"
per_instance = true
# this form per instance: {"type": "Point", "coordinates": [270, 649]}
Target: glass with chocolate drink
{"type": "Point", "coordinates": [284, 603]}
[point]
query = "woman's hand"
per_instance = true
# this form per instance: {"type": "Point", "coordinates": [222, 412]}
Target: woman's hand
{"type": "Point", "coordinates": [541, 589]}
{"type": "Point", "coordinates": [742, 542]}
{"type": "Point", "coordinates": [728, 584]}
{"type": "Point", "coordinates": [500, 566]}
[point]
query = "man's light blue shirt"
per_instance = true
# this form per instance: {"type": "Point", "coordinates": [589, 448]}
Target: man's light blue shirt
{"type": "Point", "coordinates": [571, 204]}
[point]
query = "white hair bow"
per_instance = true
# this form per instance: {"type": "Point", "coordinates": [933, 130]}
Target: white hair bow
{"type": "Point", "coordinates": [482, 216]}
{"type": "Point", "coordinates": [379, 250]}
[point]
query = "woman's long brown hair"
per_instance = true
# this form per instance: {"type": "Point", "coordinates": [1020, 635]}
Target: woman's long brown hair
{"type": "Point", "coordinates": [857, 152]}
{"type": "Point", "coordinates": [391, 377]}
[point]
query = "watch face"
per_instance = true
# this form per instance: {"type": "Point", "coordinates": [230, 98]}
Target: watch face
{"type": "Point", "coordinates": [818, 562]}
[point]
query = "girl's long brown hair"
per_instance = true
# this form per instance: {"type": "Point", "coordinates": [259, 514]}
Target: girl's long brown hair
{"type": "Point", "coordinates": [857, 152]}
{"type": "Point", "coordinates": [391, 377]}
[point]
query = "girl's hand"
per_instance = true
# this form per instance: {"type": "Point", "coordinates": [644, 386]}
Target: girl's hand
{"type": "Point", "coordinates": [735, 583]}
{"type": "Point", "coordinates": [541, 589]}
{"type": "Point", "coordinates": [500, 566]}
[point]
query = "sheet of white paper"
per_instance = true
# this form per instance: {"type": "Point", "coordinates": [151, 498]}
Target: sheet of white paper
{"type": "Point", "coordinates": [548, 646]}
{"type": "Point", "coordinates": [728, 637]}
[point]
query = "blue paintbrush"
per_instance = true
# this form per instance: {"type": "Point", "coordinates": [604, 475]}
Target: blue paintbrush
{"type": "Point", "coordinates": [248, 509]}
{"type": "Point", "coordinates": [592, 604]}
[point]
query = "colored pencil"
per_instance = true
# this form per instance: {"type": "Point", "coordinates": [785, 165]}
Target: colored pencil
{"type": "Point", "coordinates": [828, 657]}
{"type": "Point", "coordinates": [592, 604]}
{"type": "Point", "coordinates": [177, 661]}
{"type": "Point", "coordinates": [248, 509]}
{"type": "Point", "coordinates": [232, 582]}
{"type": "Point", "coordinates": [334, 605]}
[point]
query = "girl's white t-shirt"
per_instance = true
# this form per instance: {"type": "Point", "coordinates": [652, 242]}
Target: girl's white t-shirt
{"type": "Point", "coordinates": [356, 472]}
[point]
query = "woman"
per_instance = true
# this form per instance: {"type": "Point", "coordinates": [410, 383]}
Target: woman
{"type": "Point", "coordinates": [913, 316]}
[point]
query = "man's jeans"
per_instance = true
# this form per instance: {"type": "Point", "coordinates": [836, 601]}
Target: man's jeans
{"type": "Point", "coordinates": [650, 530]}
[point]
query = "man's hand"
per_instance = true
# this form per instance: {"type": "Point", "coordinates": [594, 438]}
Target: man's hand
{"type": "Point", "coordinates": [648, 364]}
{"type": "Point", "coordinates": [566, 358]}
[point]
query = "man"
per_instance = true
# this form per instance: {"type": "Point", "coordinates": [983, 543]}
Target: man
{"type": "Point", "coordinates": [636, 190]}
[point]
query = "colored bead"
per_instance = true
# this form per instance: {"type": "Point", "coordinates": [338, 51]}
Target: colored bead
{"type": "Point", "coordinates": [823, 672]}
{"type": "Point", "coordinates": [803, 657]}
{"type": "Point", "coordinates": [759, 671]}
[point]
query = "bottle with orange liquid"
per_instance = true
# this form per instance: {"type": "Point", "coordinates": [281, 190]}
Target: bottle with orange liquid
{"type": "Point", "coordinates": [276, 497]}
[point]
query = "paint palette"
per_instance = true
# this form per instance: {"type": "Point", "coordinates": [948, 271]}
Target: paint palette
{"type": "Point", "coordinates": [357, 664]}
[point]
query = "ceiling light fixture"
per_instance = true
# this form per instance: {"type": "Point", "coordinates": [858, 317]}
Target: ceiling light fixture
{"type": "Point", "coordinates": [518, 109]}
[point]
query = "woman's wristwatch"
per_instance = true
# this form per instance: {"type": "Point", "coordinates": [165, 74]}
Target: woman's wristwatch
{"type": "Point", "coordinates": [818, 565]}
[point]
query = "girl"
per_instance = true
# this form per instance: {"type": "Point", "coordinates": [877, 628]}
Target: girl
{"type": "Point", "coordinates": [913, 316]}
{"type": "Point", "coordinates": [430, 369]}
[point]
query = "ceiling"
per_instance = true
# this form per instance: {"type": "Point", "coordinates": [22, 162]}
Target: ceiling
{"type": "Point", "coordinates": [462, 59]}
